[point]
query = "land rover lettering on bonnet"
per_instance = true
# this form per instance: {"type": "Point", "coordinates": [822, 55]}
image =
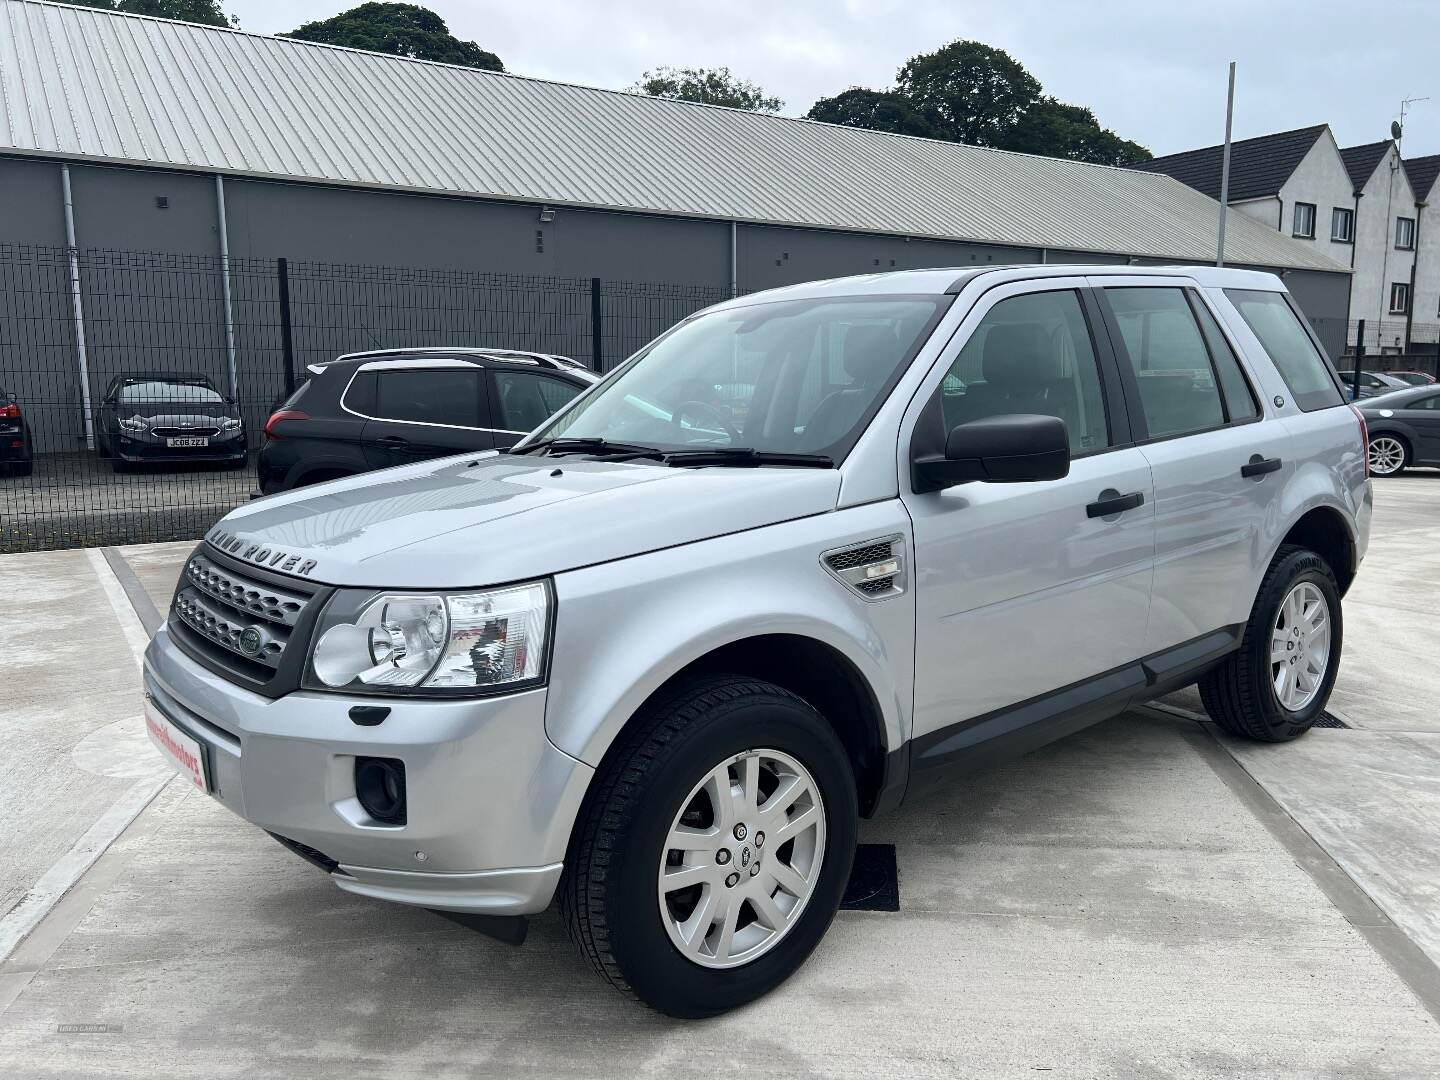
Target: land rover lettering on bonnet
{"type": "Point", "coordinates": [655, 660]}
{"type": "Point", "coordinates": [261, 555]}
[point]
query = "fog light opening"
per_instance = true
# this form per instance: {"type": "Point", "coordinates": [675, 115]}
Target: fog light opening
{"type": "Point", "coordinates": [380, 788]}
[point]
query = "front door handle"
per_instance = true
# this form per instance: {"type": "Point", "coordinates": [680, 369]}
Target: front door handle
{"type": "Point", "coordinates": [1113, 503]}
{"type": "Point", "coordinates": [1258, 466]}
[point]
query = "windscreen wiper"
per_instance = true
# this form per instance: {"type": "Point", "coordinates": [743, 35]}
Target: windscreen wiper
{"type": "Point", "coordinates": [591, 445]}
{"type": "Point", "coordinates": [745, 457]}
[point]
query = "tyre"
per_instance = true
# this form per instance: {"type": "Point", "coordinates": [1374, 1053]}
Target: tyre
{"type": "Point", "coordinates": [23, 468]}
{"type": "Point", "coordinates": [714, 848]}
{"type": "Point", "coordinates": [1388, 454]}
{"type": "Point", "coordinates": [1277, 683]}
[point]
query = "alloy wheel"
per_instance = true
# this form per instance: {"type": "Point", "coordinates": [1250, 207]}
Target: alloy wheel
{"type": "Point", "coordinates": [741, 859]}
{"type": "Point", "coordinates": [1387, 455]}
{"type": "Point", "coordinates": [1300, 646]}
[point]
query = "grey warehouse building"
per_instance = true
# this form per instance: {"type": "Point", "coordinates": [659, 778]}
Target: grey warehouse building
{"type": "Point", "coordinates": [184, 140]}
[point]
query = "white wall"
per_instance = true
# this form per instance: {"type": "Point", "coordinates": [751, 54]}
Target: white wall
{"type": "Point", "coordinates": [1427, 275]}
{"type": "Point", "coordinates": [1321, 180]}
{"type": "Point", "coordinates": [1266, 210]}
{"type": "Point", "coordinates": [1378, 264]}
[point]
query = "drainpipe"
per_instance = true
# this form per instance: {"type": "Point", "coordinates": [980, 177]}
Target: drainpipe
{"type": "Point", "coordinates": [734, 276]}
{"type": "Point", "coordinates": [1414, 264]}
{"type": "Point", "coordinates": [77, 307]}
{"type": "Point", "coordinates": [225, 284]}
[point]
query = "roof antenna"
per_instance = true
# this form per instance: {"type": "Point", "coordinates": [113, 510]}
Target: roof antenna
{"type": "Point", "coordinates": [1397, 127]}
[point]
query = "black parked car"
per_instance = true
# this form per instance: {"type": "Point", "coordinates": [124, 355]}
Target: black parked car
{"type": "Point", "coordinates": [17, 449]}
{"type": "Point", "coordinates": [1404, 429]}
{"type": "Point", "coordinates": [373, 410]}
{"type": "Point", "coordinates": [165, 416]}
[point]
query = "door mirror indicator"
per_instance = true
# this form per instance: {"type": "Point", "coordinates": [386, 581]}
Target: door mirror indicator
{"type": "Point", "coordinates": [1010, 449]}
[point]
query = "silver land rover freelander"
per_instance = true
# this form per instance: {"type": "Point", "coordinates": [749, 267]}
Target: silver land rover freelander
{"type": "Point", "coordinates": [808, 554]}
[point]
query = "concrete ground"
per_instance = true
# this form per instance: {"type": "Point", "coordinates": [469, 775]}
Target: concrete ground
{"type": "Point", "coordinates": [1141, 900]}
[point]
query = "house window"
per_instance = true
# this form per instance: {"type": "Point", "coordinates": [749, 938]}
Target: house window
{"type": "Point", "coordinates": [1342, 225]}
{"type": "Point", "coordinates": [1399, 298]}
{"type": "Point", "coordinates": [1304, 220]}
{"type": "Point", "coordinates": [1404, 233]}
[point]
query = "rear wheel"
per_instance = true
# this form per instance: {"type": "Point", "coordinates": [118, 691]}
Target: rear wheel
{"type": "Point", "coordinates": [1389, 454]}
{"type": "Point", "coordinates": [1276, 684]}
{"type": "Point", "coordinates": [715, 849]}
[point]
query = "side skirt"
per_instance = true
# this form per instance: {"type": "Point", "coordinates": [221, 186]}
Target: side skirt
{"type": "Point", "coordinates": [995, 737]}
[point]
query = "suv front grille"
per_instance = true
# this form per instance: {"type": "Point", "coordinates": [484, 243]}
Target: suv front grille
{"type": "Point", "coordinates": [240, 623]}
{"type": "Point", "coordinates": [185, 432]}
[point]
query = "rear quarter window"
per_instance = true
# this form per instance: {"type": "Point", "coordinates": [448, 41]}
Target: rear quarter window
{"type": "Point", "coordinates": [1301, 365]}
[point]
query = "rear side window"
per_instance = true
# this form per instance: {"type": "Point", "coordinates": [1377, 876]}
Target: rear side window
{"type": "Point", "coordinates": [1178, 391]}
{"type": "Point", "coordinates": [437, 396]}
{"type": "Point", "coordinates": [1300, 364]}
{"type": "Point", "coordinates": [524, 401]}
{"type": "Point", "coordinates": [1239, 399]}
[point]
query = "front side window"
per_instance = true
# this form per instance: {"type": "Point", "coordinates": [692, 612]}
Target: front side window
{"type": "Point", "coordinates": [1399, 298]}
{"type": "Point", "coordinates": [1342, 225]}
{"type": "Point", "coordinates": [1167, 353]}
{"type": "Point", "coordinates": [1030, 354]}
{"type": "Point", "coordinates": [1277, 326]}
{"type": "Point", "coordinates": [1304, 220]}
{"type": "Point", "coordinates": [789, 376]}
{"type": "Point", "coordinates": [450, 397]}
{"type": "Point", "coordinates": [525, 400]}
{"type": "Point", "coordinates": [1405, 233]}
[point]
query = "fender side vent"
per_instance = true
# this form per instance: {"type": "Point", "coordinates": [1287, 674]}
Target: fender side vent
{"type": "Point", "coordinates": [874, 569]}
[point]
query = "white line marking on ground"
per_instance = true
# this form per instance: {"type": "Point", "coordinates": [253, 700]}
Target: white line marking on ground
{"type": "Point", "coordinates": [20, 920]}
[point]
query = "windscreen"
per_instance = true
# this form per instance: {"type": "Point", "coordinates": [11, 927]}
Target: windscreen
{"type": "Point", "coordinates": [793, 376]}
{"type": "Point", "coordinates": [168, 390]}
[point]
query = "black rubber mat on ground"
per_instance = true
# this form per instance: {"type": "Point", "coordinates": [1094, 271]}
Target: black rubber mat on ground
{"type": "Point", "coordinates": [1325, 719]}
{"type": "Point", "coordinates": [874, 882]}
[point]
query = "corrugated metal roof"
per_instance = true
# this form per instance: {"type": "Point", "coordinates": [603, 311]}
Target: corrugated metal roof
{"type": "Point", "coordinates": [81, 83]}
{"type": "Point", "coordinates": [1258, 167]}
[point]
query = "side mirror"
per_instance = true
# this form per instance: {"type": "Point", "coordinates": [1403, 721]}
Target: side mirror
{"type": "Point", "coordinates": [1011, 449]}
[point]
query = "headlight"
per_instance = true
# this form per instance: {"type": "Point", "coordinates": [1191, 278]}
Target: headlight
{"type": "Point", "coordinates": [429, 643]}
{"type": "Point", "coordinates": [135, 425]}
{"type": "Point", "coordinates": [230, 423]}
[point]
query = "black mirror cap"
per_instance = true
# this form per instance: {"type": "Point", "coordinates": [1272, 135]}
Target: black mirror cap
{"type": "Point", "coordinates": [1011, 449]}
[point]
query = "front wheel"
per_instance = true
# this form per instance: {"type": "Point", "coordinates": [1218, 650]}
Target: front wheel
{"type": "Point", "coordinates": [716, 848]}
{"type": "Point", "coordinates": [1275, 686]}
{"type": "Point", "coordinates": [1388, 454]}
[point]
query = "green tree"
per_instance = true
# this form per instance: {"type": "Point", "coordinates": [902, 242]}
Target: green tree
{"type": "Point", "coordinates": [400, 30]}
{"type": "Point", "coordinates": [969, 92]}
{"type": "Point", "coordinates": [976, 94]}
{"type": "Point", "coordinates": [206, 12]}
{"type": "Point", "coordinates": [1055, 129]}
{"type": "Point", "coordinates": [711, 86]}
{"type": "Point", "coordinates": [878, 110]}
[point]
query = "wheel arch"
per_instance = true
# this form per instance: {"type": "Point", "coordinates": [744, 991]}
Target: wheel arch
{"type": "Point", "coordinates": [1325, 531]}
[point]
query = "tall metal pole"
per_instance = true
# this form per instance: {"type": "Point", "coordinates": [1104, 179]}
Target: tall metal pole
{"type": "Point", "coordinates": [734, 275]}
{"type": "Point", "coordinates": [287, 339]}
{"type": "Point", "coordinates": [77, 307]}
{"type": "Point", "coordinates": [225, 284]}
{"type": "Point", "coordinates": [1225, 167]}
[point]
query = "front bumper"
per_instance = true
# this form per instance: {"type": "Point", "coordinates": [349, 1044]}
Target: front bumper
{"type": "Point", "coordinates": [490, 801]}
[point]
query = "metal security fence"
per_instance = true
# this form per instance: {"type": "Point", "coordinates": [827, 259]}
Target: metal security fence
{"type": "Point", "coordinates": [1392, 345]}
{"type": "Point", "coordinates": [72, 322]}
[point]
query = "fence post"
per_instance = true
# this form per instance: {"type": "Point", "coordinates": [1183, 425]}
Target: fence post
{"type": "Point", "coordinates": [287, 344]}
{"type": "Point", "coordinates": [1359, 360]}
{"type": "Point", "coordinates": [597, 346]}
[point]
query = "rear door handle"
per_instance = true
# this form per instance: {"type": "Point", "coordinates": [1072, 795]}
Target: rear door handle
{"type": "Point", "coordinates": [1114, 504]}
{"type": "Point", "coordinates": [393, 440]}
{"type": "Point", "coordinates": [1258, 466]}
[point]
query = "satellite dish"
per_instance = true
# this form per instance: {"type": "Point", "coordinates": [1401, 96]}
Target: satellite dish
{"type": "Point", "coordinates": [1395, 129]}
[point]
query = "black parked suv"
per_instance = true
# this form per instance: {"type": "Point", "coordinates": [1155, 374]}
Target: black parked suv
{"type": "Point", "coordinates": [372, 410]}
{"type": "Point", "coordinates": [167, 416]}
{"type": "Point", "coordinates": [17, 449]}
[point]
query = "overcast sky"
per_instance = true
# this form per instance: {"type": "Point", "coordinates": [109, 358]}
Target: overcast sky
{"type": "Point", "coordinates": [1153, 71]}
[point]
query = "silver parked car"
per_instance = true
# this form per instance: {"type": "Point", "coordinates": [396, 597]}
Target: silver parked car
{"type": "Point", "coordinates": [810, 553]}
